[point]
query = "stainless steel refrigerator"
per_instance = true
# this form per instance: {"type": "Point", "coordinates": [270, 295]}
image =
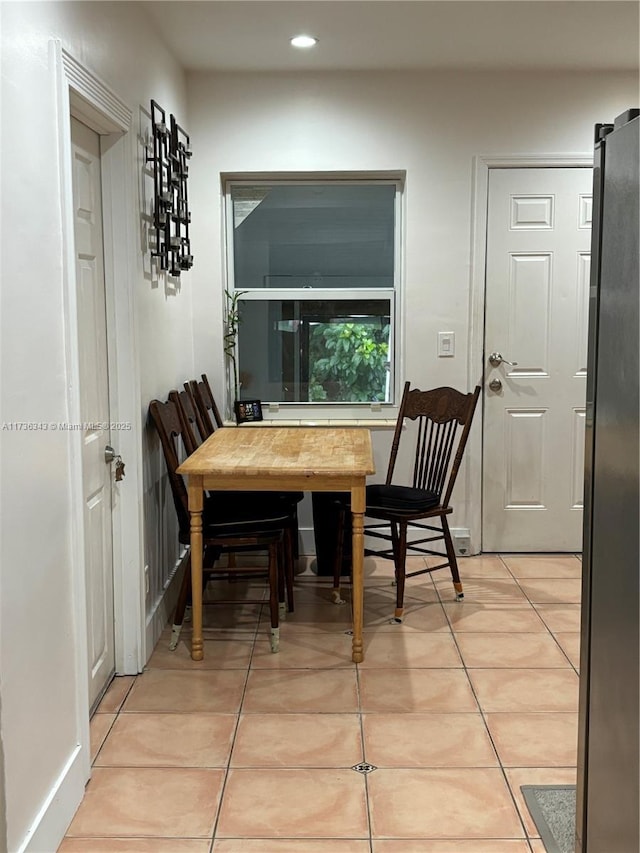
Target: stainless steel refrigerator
{"type": "Point", "coordinates": [608, 796]}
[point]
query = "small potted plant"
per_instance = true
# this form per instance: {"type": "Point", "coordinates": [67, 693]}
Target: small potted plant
{"type": "Point", "coordinates": [231, 324]}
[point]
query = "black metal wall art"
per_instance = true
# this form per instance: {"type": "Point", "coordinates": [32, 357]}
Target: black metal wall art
{"type": "Point", "coordinates": [171, 216]}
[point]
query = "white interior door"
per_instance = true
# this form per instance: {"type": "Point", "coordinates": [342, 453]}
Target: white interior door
{"type": "Point", "coordinates": [94, 405]}
{"type": "Point", "coordinates": [536, 315]}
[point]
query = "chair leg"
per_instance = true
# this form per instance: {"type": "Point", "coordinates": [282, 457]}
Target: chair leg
{"type": "Point", "coordinates": [336, 597]}
{"type": "Point", "coordinates": [451, 556]}
{"type": "Point", "coordinates": [274, 548]}
{"type": "Point", "coordinates": [295, 536]}
{"type": "Point", "coordinates": [290, 537]}
{"type": "Point", "coordinates": [400, 559]}
{"type": "Point", "coordinates": [183, 597]}
{"type": "Point", "coordinates": [282, 569]}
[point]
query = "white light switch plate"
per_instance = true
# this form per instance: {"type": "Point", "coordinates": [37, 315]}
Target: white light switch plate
{"type": "Point", "coordinates": [446, 344]}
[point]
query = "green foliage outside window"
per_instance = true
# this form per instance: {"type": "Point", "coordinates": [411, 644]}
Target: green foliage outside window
{"type": "Point", "coordinates": [348, 362]}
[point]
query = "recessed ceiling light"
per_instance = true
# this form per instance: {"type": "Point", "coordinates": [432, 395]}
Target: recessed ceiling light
{"type": "Point", "coordinates": [304, 41]}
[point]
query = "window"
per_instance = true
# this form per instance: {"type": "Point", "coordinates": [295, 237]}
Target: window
{"type": "Point", "coordinates": [317, 266]}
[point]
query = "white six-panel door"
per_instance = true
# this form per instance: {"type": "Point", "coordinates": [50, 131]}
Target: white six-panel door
{"type": "Point", "coordinates": [94, 405]}
{"type": "Point", "coordinates": [537, 291]}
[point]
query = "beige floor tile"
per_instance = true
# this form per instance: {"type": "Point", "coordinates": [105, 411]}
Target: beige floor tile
{"type": "Point", "coordinates": [543, 565]}
{"type": "Point", "coordinates": [291, 845]}
{"type": "Point", "coordinates": [297, 740]}
{"type": "Point", "coordinates": [415, 691]}
{"type": "Point", "coordinates": [135, 845]}
{"type": "Point", "coordinates": [442, 583]}
{"type": "Point", "coordinates": [168, 690]}
{"type": "Point", "coordinates": [293, 803]}
{"type": "Point", "coordinates": [560, 617]}
{"type": "Point", "coordinates": [525, 690]}
{"type": "Point", "coordinates": [167, 803]}
{"type": "Point", "coordinates": [421, 616]}
{"type": "Point", "coordinates": [439, 803]}
{"type": "Point", "coordinates": [472, 616]}
{"type": "Point", "coordinates": [460, 845]}
{"type": "Point", "coordinates": [208, 634]}
{"type": "Point", "coordinates": [375, 570]}
{"type": "Point", "coordinates": [169, 740]}
{"type": "Point", "coordinates": [116, 694]}
{"type": "Point", "coordinates": [536, 776]}
{"type": "Point", "coordinates": [570, 644]}
{"type": "Point", "coordinates": [485, 590]}
{"type": "Point", "coordinates": [421, 588]}
{"type": "Point", "coordinates": [301, 691]}
{"type": "Point", "coordinates": [304, 651]}
{"type": "Point", "coordinates": [427, 740]}
{"type": "Point", "coordinates": [317, 592]}
{"type": "Point", "coordinates": [380, 569]}
{"type": "Point", "coordinates": [537, 846]}
{"type": "Point", "coordinates": [552, 590]}
{"type": "Point", "coordinates": [240, 616]}
{"type": "Point", "coordinates": [480, 566]}
{"type": "Point", "coordinates": [231, 653]}
{"type": "Point", "coordinates": [237, 590]}
{"type": "Point", "coordinates": [246, 633]}
{"type": "Point", "coordinates": [99, 729]}
{"type": "Point", "coordinates": [414, 650]}
{"type": "Point", "coordinates": [322, 618]}
{"type": "Point", "coordinates": [535, 740]}
{"type": "Point", "coordinates": [510, 650]}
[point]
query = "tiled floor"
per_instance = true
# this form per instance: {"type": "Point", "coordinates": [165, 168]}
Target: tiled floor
{"type": "Point", "coordinates": [249, 752]}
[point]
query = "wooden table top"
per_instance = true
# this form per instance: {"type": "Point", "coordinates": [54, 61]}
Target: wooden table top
{"type": "Point", "coordinates": [307, 451]}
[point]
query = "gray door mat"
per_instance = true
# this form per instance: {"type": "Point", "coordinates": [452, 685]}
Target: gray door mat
{"type": "Point", "coordinates": [553, 809]}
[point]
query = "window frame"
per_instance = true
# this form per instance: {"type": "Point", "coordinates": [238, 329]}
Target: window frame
{"type": "Point", "coordinates": [310, 412]}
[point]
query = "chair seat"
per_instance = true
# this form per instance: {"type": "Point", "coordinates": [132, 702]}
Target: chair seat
{"type": "Point", "coordinates": [228, 513]}
{"type": "Point", "coordinates": [232, 513]}
{"type": "Point", "coordinates": [238, 500]}
{"type": "Point", "coordinates": [403, 499]}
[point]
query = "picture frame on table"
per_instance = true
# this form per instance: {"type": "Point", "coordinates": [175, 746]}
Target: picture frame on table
{"type": "Point", "coordinates": [248, 411]}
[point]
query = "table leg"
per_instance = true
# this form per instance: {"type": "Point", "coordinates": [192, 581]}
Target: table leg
{"type": "Point", "coordinates": [357, 510]}
{"type": "Point", "coordinates": [195, 511]}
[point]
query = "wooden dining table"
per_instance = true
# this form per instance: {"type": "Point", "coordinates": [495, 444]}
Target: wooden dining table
{"type": "Point", "coordinates": [272, 458]}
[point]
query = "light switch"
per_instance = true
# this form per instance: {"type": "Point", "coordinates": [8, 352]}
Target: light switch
{"type": "Point", "coordinates": [446, 344]}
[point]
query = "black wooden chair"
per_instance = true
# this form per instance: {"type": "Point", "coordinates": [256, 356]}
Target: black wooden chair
{"type": "Point", "coordinates": [193, 416]}
{"type": "Point", "coordinates": [232, 522]}
{"type": "Point", "coordinates": [443, 417]}
{"type": "Point", "coordinates": [208, 414]}
{"type": "Point", "coordinates": [207, 418]}
{"type": "Point", "coordinates": [189, 418]}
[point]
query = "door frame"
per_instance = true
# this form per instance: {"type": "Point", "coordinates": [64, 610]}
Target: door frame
{"type": "Point", "coordinates": [82, 94]}
{"type": "Point", "coordinates": [477, 299]}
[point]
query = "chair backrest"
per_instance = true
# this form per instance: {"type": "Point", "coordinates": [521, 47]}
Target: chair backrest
{"type": "Point", "coordinates": [167, 421]}
{"type": "Point", "coordinates": [444, 418]}
{"type": "Point", "coordinates": [212, 401]}
{"type": "Point", "coordinates": [189, 417]}
{"type": "Point", "coordinates": [209, 418]}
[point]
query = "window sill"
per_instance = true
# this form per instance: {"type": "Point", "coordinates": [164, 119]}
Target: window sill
{"type": "Point", "coordinates": [368, 423]}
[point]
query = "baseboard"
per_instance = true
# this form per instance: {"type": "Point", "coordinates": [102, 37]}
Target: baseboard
{"type": "Point", "coordinates": [306, 541]}
{"type": "Point", "coordinates": [461, 541]}
{"type": "Point", "coordinates": [50, 826]}
{"type": "Point", "coordinates": [162, 610]}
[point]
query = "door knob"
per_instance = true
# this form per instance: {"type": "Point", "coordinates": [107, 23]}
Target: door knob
{"type": "Point", "coordinates": [496, 359]}
{"type": "Point", "coordinates": [495, 385]}
{"type": "Point", "coordinates": [109, 454]}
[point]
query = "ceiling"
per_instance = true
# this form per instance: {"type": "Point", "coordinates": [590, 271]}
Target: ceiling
{"type": "Point", "coordinates": [253, 35]}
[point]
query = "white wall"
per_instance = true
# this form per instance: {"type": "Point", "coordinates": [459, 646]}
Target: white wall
{"type": "Point", "coordinates": [429, 124]}
{"type": "Point", "coordinates": [43, 710]}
